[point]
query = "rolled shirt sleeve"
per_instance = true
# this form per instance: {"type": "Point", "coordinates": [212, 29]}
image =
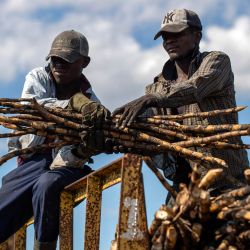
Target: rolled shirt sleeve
{"type": "Point", "coordinates": [65, 158]}
{"type": "Point", "coordinates": [39, 85]}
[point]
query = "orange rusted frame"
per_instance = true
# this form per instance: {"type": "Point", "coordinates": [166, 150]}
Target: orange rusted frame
{"type": "Point", "coordinates": [93, 213]}
{"type": "Point", "coordinates": [16, 241]}
{"type": "Point", "coordinates": [66, 221]}
{"type": "Point", "coordinates": [132, 218]}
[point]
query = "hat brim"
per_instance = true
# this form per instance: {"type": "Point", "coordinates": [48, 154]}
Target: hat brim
{"type": "Point", "coordinates": [67, 55]}
{"type": "Point", "coordinates": [171, 28]}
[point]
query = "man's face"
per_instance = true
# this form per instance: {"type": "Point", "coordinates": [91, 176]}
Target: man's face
{"type": "Point", "coordinates": [65, 72]}
{"type": "Point", "coordinates": [179, 45]}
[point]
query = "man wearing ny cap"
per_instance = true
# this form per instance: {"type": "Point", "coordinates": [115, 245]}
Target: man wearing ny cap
{"type": "Point", "coordinates": [34, 187]}
{"type": "Point", "coordinates": [191, 81]}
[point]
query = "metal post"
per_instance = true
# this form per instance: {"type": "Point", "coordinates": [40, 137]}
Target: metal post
{"type": "Point", "coordinates": [66, 221]}
{"type": "Point", "coordinates": [132, 228]}
{"type": "Point", "coordinates": [93, 213]}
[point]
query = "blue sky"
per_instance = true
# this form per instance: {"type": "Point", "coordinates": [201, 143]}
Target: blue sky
{"type": "Point", "coordinates": [124, 58]}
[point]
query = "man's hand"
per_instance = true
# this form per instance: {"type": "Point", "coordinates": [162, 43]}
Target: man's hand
{"type": "Point", "coordinates": [94, 116]}
{"type": "Point", "coordinates": [93, 113]}
{"type": "Point", "coordinates": [78, 101]}
{"type": "Point", "coordinates": [96, 142]}
{"type": "Point", "coordinates": [131, 110]}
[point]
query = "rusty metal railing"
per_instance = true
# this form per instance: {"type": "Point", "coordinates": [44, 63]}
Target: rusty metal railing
{"type": "Point", "coordinates": [132, 224]}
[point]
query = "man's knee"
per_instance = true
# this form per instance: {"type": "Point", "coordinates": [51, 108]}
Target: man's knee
{"type": "Point", "coordinates": [46, 184]}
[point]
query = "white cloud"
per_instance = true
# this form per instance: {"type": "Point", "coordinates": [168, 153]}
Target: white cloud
{"type": "Point", "coordinates": [118, 61]}
{"type": "Point", "coordinates": [235, 42]}
{"type": "Point", "coordinates": [121, 66]}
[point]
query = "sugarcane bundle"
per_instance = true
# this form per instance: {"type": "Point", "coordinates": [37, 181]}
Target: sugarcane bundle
{"type": "Point", "coordinates": [224, 220]}
{"type": "Point", "coordinates": [199, 221]}
{"type": "Point", "coordinates": [147, 135]}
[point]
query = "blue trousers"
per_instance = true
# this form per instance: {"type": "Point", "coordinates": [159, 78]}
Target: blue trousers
{"type": "Point", "coordinates": [34, 189]}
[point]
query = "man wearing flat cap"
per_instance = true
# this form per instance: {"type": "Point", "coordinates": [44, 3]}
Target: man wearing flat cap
{"type": "Point", "coordinates": [191, 81]}
{"type": "Point", "coordinates": [34, 187]}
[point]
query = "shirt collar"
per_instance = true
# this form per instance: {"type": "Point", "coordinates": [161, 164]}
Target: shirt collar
{"type": "Point", "coordinates": [169, 70]}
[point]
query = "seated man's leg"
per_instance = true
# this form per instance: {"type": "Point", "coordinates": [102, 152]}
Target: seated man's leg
{"type": "Point", "coordinates": [16, 195]}
{"type": "Point", "coordinates": [46, 201]}
{"type": "Point", "coordinates": [182, 175]}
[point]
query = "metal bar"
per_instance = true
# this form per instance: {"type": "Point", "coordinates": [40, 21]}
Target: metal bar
{"type": "Point", "coordinates": [20, 238]}
{"type": "Point", "coordinates": [66, 221]}
{"type": "Point", "coordinates": [93, 213]}
{"type": "Point", "coordinates": [132, 228]}
{"type": "Point", "coordinates": [109, 175]}
{"type": "Point", "coordinates": [4, 245]}
{"type": "Point", "coordinates": [101, 172]}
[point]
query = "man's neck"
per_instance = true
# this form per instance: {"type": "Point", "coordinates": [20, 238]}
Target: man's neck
{"type": "Point", "coordinates": [65, 91]}
{"type": "Point", "coordinates": [182, 68]}
{"type": "Point", "coordinates": [183, 64]}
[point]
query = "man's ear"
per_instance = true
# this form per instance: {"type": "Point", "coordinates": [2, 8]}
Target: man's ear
{"type": "Point", "coordinates": [85, 61]}
{"type": "Point", "coordinates": [198, 36]}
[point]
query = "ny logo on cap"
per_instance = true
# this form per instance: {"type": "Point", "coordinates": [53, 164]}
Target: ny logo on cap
{"type": "Point", "coordinates": [168, 18]}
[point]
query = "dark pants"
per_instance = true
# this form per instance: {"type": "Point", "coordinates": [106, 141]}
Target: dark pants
{"type": "Point", "coordinates": [182, 175]}
{"type": "Point", "coordinates": [34, 189]}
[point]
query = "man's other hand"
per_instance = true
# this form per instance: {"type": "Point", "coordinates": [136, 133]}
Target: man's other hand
{"type": "Point", "coordinates": [95, 142]}
{"type": "Point", "coordinates": [131, 110]}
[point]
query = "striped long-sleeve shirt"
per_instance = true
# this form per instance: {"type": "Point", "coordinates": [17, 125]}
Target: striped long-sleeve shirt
{"type": "Point", "coordinates": [210, 86]}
